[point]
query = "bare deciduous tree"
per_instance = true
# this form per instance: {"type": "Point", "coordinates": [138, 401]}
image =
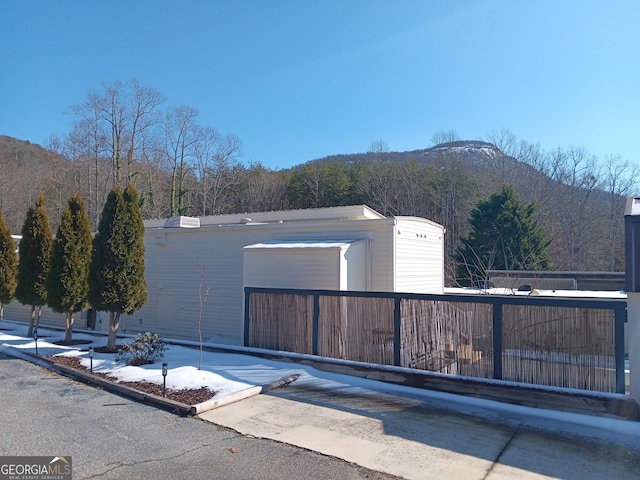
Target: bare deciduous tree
{"type": "Point", "coordinates": [619, 181]}
{"type": "Point", "coordinates": [216, 168]}
{"type": "Point", "coordinates": [444, 136]}
{"type": "Point", "coordinates": [180, 137]}
{"type": "Point", "coordinates": [574, 226]}
{"type": "Point", "coordinates": [119, 115]}
{"type": "Point", "coordinates": [378, 146]}
{"type": "Point", "coordinates": [143, 106]}
{"type": "Point", "coordinates": [260, 190]}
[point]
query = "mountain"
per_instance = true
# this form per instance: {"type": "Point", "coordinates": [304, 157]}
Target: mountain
{"type": "Point", "coordinates": [465, 148]}
{"type": "Point", "coordinates": [474, 152]}
{"type": "Point", "coordinates": [22, 152]}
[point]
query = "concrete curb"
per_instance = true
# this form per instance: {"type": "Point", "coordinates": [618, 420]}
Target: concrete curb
{"type": "Point", "coordinates": [88, 378]}
{"type": "Point", "coordinates": [241, 395]}
{"type": "Point", "coordinates": [21, 355]}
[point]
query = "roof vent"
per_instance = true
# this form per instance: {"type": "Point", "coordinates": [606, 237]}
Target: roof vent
{"type": "Point", "coordinates": [182, 222]}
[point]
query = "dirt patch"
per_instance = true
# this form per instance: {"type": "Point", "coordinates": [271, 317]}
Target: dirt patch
{"type": "Point", "coordinates": [188, 396]}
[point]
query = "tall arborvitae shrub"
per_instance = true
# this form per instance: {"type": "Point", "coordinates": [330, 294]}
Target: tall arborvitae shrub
{"type": "Point", "coordinates": [134, 233]}
{"type": "Point", "coordinates": [33, 263]}
{"type": "Point", "coordinates": [8, 266]}
{"type": "Point", "coordinates": [116, 277]}
{"type": "Point", "coordinates": [68, 280]}
{"type": "Point", "coordinates": [107, 271]}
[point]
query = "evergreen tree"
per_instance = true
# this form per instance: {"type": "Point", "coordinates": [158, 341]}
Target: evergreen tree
{"type": "Point", "coordinates": [116, 276]}
{"type": "Point", "coordinates": [504, 236]}
{"type": "Point", "coordinates": [8, 266]}
{"type": "Point", "coordinates": [33, 263]}
{"type": "Point", "coordinates": [134, 235]}
{"type": "Point", "coordinates": [68, 279]}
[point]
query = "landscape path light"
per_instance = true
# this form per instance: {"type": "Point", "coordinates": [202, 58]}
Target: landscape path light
{"type": "Point", "coordinates": [35, 338]}
{"type": "Point", "coordinates": [164, 379]}
{"type": "Point", "coordinates": [91, 359]}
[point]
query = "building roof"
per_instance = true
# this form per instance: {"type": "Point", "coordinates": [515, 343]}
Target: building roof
{"type": "Point", "coordinates": [352, 212]}
{"type": "Point", "coordinates": [301, 244]}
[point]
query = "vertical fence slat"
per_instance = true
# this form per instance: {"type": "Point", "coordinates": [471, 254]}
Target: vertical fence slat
{"type": "Point", "coordinates": [247, 317]}
{"type": "Point", "coordinates": [397, 325]}
{"type": "Point", "coordinates": [497, 341]}
{"type": "Point", "coordinates": [316, 324]}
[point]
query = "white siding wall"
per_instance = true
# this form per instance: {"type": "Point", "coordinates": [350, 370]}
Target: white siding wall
{"type": "Point", "coordinates": [381, 252]}
{"type": "Point", "coordinates": [419, 256]}
{"type": "Point", "coordinates": [21, 313]}
{"type": "Point", "coordinates": [331, 265]}
{"type": "Point", "coordinates": [356, 267]}
{"type": "Point", "coordinates": [17, 312]}
{"type": "Point", "coordinates": [173, 307]}
{"type": "Point", "coordinates": [293, 268]}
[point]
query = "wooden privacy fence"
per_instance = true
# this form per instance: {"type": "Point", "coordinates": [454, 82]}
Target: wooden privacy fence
{"type": "Point", "coordinates": [560, 342]}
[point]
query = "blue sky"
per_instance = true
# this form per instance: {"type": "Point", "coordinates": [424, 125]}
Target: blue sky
{"type": "Point", "coordinates": [298, 80]}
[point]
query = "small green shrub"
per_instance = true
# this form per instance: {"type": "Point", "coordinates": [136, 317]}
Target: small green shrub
{"type": "Point", "coordinates": [145, 348]}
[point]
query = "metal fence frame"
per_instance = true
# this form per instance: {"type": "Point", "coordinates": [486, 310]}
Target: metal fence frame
{"type": "Point", "coordinates": [618, 306]}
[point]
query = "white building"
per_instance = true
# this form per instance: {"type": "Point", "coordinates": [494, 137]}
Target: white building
{"type": "Point", "coordinates": [197, 268]}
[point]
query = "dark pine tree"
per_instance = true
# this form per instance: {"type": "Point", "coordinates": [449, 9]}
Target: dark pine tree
{"type": "Point", "coordinates": [8, 266]}
{"type": "Point", "coordinates": [504, 236]}
{"type": "Point", "coordinates": [33, 263]}
{"type": "Point", "coordinates": [68, 279]}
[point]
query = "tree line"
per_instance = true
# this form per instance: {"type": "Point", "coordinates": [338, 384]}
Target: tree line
{"type": "Point", "coordinates": [122, 133]}
{"type": "Point", "coordinates": [74, 270]}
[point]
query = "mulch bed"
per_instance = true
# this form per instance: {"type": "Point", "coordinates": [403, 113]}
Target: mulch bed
{"type": "Point", "coordinates": [188, 396]}
{"type": "Point", "coordinates": [107, 350]}
{"type": "Point", "coordinates": [72, 342]}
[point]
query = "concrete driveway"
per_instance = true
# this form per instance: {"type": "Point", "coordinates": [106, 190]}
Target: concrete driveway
{"type": "Point", "coordinates": [420, 439]}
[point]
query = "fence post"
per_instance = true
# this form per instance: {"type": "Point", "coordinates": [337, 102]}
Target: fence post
{"type": "Point", "coordinates": [497, 339]}
{"type": "Point", "coordinates": [316, 324]}
{"type": "Point", "coordinates": [247, 294]}
{"type": "Point", "coordinates": [396, 331]}
{"type": "Point", "coordinates": [633, 330]}
{"type": "Point", "coordinates": [632, 286]}
{"type": "Point", "coordinates": [620, 314]}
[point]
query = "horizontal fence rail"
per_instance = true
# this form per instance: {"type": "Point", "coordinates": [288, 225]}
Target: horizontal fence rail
{"type": "Point", "coordinates": [559, 342]}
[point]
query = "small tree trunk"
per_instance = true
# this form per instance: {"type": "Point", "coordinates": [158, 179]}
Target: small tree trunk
{"type": "Point", "coordinates": [1, 310]}
{"type": "Point", "coordinates": [68, 332]}
{"type": "Point", "coordinates": [32, 316]}
{"type": "Point", "coordinates": [114, 324]}
{"type": "Point", "coordinates": [37, 322]}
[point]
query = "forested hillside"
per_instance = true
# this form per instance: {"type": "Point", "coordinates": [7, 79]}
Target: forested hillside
{"type": "Point", "coordinates": [580, 201]}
